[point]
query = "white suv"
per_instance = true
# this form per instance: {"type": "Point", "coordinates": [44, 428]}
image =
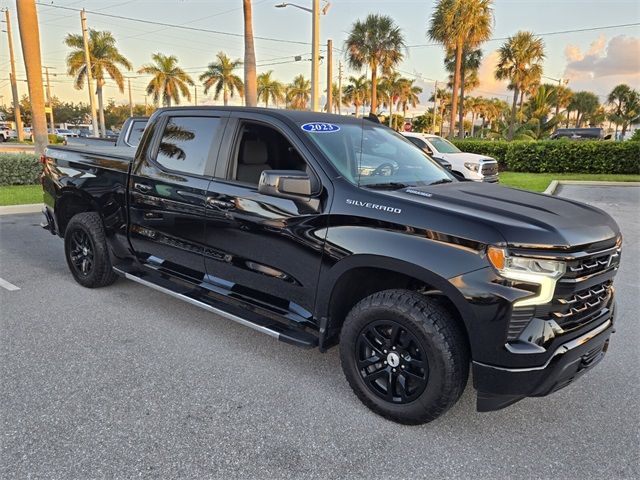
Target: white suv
{"type": "Point", "coordinates": [471, 166]}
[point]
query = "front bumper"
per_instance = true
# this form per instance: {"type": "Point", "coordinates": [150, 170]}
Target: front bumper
{"type": "Point", "coordinates": [499, 387]}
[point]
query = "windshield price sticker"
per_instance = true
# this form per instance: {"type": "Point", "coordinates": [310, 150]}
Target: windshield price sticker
{"type": "Point", "coordinates": [320, 127]}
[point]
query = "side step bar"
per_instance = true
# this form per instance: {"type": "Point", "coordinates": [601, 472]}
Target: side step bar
{"type": "Point", "coordinates": [249, 319]}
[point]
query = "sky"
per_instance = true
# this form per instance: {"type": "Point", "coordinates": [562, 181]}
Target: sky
{"type": "Point", "coordinates": [596, 60]}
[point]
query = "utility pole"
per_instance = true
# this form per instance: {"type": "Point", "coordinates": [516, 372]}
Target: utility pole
{"type": "Point", "coordinates": [315, 54]}
{"type": "Point", "coordinates": [329, 76]}
{"type": "Point", "coordinates": [435, 104]}
{"type": "Point", "coordinates": [130, 98]}
{"type": "Point", "coordinates": [52, 125]}
{"type": "Point", "coordinates": [12, 78]}
{"type": "Point", "coordinates": [87, 60]}
{"type": "Point", "coordinates": [340, 88]}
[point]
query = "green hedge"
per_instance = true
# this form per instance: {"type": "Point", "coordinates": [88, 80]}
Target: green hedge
{"type": "Point", "coordinates": [19, 169]}
{"type": "Point", "coordinates": [558, 156]}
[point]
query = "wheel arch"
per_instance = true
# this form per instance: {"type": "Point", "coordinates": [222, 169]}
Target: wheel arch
{"type": "Point", "coordinates": [359, 276]}
{"type": "Point", "coordinates": [70, 202]}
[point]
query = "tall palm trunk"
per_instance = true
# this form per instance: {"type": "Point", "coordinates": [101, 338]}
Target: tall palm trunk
{"type": "Point", "coordinates": [454, 93]}
{"type": "Point", "coordinates": [103, 128]}
{"type": "Point", "coordinates": [225, 94]}
{"type": "Point", "coordinates": [473, 121]}
{"type": "Point", "coordinates": [374, 87]}
{"type": "Point", "coordinates": [514, 107]}
{"type": "Point", "coordinates": [461, 113]}
{"type": "Point", "coordinates": [30, 40]}
{"type": "Point", "coordinates": [250, 82]}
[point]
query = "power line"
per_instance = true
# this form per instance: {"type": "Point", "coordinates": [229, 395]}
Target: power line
{"type": "Point", "coordinates": [171, 25]}
{"type": "Point", "coordinates": [546, 34]}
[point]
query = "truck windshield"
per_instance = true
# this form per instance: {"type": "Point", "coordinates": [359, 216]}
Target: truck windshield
{"type": "Point", "coordinates": [443, 146]}
{"type": "Point", "coordinates": [372, 155]}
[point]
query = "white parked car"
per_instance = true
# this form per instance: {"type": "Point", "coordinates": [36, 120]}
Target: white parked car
{"type": "Point", "coordinates": [7, 133]}
{"type": "Point", "coordinates": [471, 166]}
{"type": "Point", "coordinates": [64, 133]}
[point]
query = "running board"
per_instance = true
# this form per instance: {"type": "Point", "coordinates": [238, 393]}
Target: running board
{"type": "Point", "coordinates": [249, 319]}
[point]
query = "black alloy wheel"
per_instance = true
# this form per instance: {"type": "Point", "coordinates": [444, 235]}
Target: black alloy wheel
{"type": "Point", "coordinates": [392, 362]}
{"type": "Point", "coordinates": [82, 252]}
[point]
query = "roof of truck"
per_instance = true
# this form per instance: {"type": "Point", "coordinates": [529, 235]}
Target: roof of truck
{"type": "Point", "coordinates": [296, 116]}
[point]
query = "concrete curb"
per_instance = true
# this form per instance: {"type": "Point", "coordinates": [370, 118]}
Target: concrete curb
{"type": "Point", "coordinates": [553, 186]}
{"type": "Point", "coordinates": [16, 209]}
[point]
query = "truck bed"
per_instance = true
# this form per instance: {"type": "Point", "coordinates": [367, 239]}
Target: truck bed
{"type": "Point", "coordinates": [120, 153]}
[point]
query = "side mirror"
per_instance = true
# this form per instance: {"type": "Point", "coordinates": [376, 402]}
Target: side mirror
{"type": "Point", "coordinates": [285, 183]}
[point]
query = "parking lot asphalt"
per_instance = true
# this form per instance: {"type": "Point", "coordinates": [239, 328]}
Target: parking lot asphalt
{"type": "Point", "coordinates": [126, 382]}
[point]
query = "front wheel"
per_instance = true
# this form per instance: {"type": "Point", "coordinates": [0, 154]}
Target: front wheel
{"type": "Point", "coordinates": [404, 356]}
{"type": "Point", "coordinates": [86, 251]}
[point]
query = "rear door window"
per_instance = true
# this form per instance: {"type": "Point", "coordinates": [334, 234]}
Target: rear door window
{"type": "Point", "coordinates": [135, 132]}
{"type": "Point", "coordinates": [188, 142]}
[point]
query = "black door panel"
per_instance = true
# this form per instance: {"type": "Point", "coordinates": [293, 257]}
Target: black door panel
{"type": "Point", "coordinates": [265, 248]}
{"type": "Point", "coordinates": [166, 205]}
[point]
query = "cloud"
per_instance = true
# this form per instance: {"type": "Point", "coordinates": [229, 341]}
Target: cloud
{"type": "Point", "coordinates": [489, 86]}
{"type": "Point", "coordinates": [620, 57]}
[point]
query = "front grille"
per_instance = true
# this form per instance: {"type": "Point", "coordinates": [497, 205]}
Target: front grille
{"type": "Point", "coordinates": [583, 294]}
{"type": "Point", "coordinates": [489, 169]}
{"type": "Point", "coordinates": [580, 307]}
{"type": "Point", "coordinates": [591, 265]}
{"type": "Point", "coordinates": [585, 291]}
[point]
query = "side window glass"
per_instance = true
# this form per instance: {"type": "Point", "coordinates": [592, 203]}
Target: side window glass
{"type": "Point", "coordinates": [188, 142]}
{"type": "Point", "coordinates": [135, 134]}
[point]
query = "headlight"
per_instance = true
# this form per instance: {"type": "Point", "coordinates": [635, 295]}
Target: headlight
{"type": "Point", "coordinates": [472, 166]}
{"type": "Point", "coordinates": [544, 273]}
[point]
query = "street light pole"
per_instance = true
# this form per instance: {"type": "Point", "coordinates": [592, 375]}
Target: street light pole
{"type": "Point", "coordinates": [315, 46]}
{"type": "Point", "coordinates": [315, 54]}
{"type": "Point", "coordinates": [12, 80]}
{"type": "Point", "coordinates": [87, 60]}
{"type": "Point", "coordinates": [49, 100]}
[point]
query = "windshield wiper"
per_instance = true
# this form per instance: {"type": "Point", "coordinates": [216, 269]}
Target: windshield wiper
{"type": "Point", "coordinates": [442, 180]}
{"type": "Point", "coordinates": [389, 185]}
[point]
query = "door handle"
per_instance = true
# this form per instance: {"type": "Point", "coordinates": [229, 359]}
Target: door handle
{"type": "Point", "coordinates": [142, 187]}
{"type": "Point", "coordinates": [221, 204]}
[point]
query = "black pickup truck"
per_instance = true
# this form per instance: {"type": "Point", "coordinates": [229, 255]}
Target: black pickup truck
{"type": "Point", "coordinates": [321, 229]}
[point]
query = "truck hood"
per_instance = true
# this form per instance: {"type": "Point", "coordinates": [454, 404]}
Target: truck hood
{"type": "Point", "coordinates": [465, 157]}
{"type": "Point", "coordinates": [520, 216]}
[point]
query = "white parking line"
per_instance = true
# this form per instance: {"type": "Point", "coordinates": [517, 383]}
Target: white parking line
{"type": "Point", "coordinates": [9, 286]}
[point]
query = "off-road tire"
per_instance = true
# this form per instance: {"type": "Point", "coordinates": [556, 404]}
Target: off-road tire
{"type": "Point", "coordinates": [442, 339]}
{"type": "Point", "coordinates": [101, 273]}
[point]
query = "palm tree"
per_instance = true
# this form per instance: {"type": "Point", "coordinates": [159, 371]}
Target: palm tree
{"type": "Point", "coordinates": [378, 43]}
{"type": "Point", "coordinates": [469, 80]}
{"type": "Point", "coordinates": [220, 75]}
{"type": "Point", "coordinates": [538, 109]}
{"type": "Point", "coordinates": [391, 86]}
{"type": "Point", "coordinates": [30, 40]}
{"type": "Point", "coordinates": [408, 95]}
{"type": "Point", "coordinates": [250, 82]}
{"type": "Point", "coordinates": [520, 61]}
{"type": "Point", "coordinates": [336, 98]}
{"type": "Point", "coordinates": [269, 88]}
{"type": "Point", "coordinates": [356, 92]}
{"type": "Point", "coordinates": [585, 104]}
{"type": "Point", "coordinates": [299, 93]}
{"type": "Point", "coordinates": [561, 97]}
{"type": "Point", "coordinates": [626, 106]}
{"type": "Point", "coordinates": [169, 81]}
{"type": "Point", "coordinates": [460, 24]}
{"type": "Point", "coordinates": [104, 57]}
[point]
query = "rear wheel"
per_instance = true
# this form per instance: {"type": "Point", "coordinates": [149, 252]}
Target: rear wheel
{"type": "Point", "coordinates": [404, 356]}
{"type": "Point", "coordinates": [86, 251]}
